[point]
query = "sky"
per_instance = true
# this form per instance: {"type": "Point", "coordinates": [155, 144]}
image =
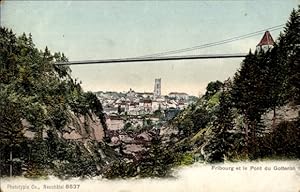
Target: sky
{"type": "Point", "coordinates": [86, 30]}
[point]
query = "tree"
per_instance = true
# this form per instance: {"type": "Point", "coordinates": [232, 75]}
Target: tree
{"type": "Point", "coordinates": [35, 90]}
{"type": "Point", "coordinates": [119, 109]}
{"type": "Point", "coordinates": [212, 88]}
{"type": "Point", "coordinates": [275, 80]}
{"type": "Point", "coordinates": [249, 94]}
{"type": "Point", "coordinates": [221, 141]}
{"type": "Point", "coordinates": [158, 160]}
{"type": "Point", "coordinates": [11, 129]}
{"type": "Point", "coordinates": [269, 80]}
{"type": "Point", "coordinates": [290, 43]}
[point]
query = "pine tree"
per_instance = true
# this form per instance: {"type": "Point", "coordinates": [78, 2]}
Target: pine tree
{"type": "Point", "coordinates": [249, 93]}
{"type": "Point", "coordinates": [291, 46]}
{"type": "Point", "coordinates": [11, 129]}
{"type": "Point", "coordinates": [275, 80]}
{"type": "Point", "coordinates": [221, 142]}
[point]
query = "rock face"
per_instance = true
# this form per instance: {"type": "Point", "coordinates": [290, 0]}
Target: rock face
{"type": "Point", "coordinates": [84, 127]}
{"type": "Point", "coordinates": [284, 113]}
{"type": "Point", "coordinates": [79, 128]}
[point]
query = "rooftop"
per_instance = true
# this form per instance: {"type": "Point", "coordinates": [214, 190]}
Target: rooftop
{"type": "Point", "coordinates": [266, 39]}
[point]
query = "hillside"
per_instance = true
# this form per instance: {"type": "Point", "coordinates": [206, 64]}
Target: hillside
{"type": "Point", "coordinates": [48, 124]}
{"type": "Point", "coordinates": [253, 115]}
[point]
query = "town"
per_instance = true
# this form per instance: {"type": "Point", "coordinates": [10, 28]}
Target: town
{"type": "Point", "coordinates": [136, 106]}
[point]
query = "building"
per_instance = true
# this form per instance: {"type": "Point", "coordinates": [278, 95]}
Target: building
{"type": "Point", "coordinates": [156, 105]}
{"type": "Point", "coordinates": [131, 94]}
{"type": "Point", "coordinates": [147, 105]}
{"type": "Point", "coordinates": [114, 122]}
{"type": "Point", "coordinates": [265, 43]}
{"type": "Point", "coordinates": [178, 96]}
{"type": "Point", "coordinates": [157, 88]}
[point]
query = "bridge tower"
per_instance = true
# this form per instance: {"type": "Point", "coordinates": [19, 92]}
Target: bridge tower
{"type": "Point", "coordinates": [265, 43]}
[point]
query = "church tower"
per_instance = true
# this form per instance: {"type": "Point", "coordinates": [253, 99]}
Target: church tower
{"type": "Point", "coordinates": [265, 43]}
{"type": "Point", "coordinates": [157, 88]}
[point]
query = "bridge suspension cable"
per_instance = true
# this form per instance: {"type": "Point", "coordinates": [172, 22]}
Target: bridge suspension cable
{"type": "Point", "coordinates": [162, 55]}
{"type": "Point", "coordinates": [237, 38]}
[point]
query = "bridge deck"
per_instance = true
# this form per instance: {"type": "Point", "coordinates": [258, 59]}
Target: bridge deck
{"type": "Point", "coordinates": [146, 59]}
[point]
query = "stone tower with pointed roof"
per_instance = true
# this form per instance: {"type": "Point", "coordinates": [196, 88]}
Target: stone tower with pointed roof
{"type": "Point", "coordinates": [265, 43]}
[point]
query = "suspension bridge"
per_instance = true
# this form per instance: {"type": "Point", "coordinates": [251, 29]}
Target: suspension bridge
{"type": "Point", "coordinates": [168, 55]}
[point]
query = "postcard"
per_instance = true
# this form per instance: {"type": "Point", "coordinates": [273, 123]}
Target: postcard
{"type": "Point", "coordinates": [140, 96]}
